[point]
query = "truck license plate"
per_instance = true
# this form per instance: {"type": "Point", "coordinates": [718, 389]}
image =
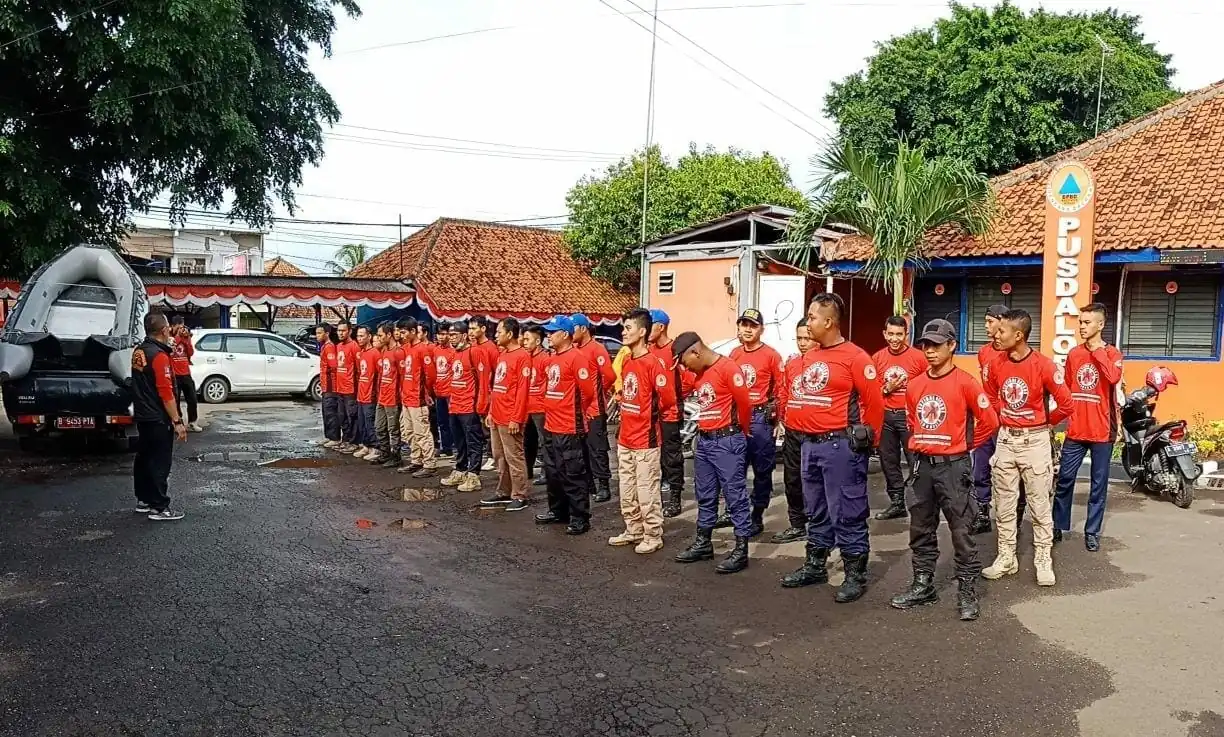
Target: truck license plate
{"type": "Point", "coordinates": [74, 423]}
{"type": "Point", "coordinates": [1180, 449]}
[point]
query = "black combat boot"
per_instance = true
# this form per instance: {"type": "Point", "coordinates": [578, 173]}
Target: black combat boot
{"type": "Point", "coordinates": [671, 503]}
{"type": "Point", "coordinates": [967, 598]}
{"type": "Point", "coordinates": [981, 523]}
{"type": "Point", "coordinates": [701, 549]}
{"type": "Point", "coordinates": [789, 535]}
{"type": "Point", "coordinates": [602, 492]}
{"type": "Point", "coordinates": [737, 560]}
{"type": "Point", "coordinates": [758, 522]}
{"type": "Point", "coordinates": [855, 584]}
{"type": "Point", "coordinates": [921, 591]}
{"type": "Point", "coordinates": [813, 570]}
{"type": "Point", "coordinates": [895, 508]}
{"type": "Point", "coordinates": [723, 521]}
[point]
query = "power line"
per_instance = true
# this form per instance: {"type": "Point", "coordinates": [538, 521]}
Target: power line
{"type": "Point", "coordinates": [160, 209]}
{"type": "Point", "coordinates": [417, 207]}
{"type": "Point", "coordinates": [48, 27]}
{"type": "Point", "coordinates": [541, 149]}
{"type": "Point", "coordinates": [489, 153]}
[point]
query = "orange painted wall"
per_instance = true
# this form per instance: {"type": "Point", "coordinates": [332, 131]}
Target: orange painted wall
{"type": "Point", "coordinates": [700, 302]}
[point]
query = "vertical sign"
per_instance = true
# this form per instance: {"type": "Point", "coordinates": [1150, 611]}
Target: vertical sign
{"type": "Point", "coordinates": [1066, 281]}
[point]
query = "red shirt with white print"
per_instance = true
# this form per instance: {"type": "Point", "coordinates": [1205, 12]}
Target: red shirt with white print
{"type": "Point", "coordinates": [535, 393]}
{"type": "Point", "coordinates": [511, 385]}
{"type": "Point", "coordinates": [907, 364]}
{"type": "Point", "coordinates": [948, 415]}
{"type": "Point", "coordinates": [605, 376]}
{"type": "Point", "coordinates": [679, 379]}
{"type": "Point", "coordinates": [569, 385]}
{"type": "Point", "coordinates": [443, 356]}
{"type": "Point", "coordinates": [346, 367]}
{"type": "Point", "coordinates": [1020, 391]}
{"type": "Point", "coordinates": [1094, 377]}
{"type": "Point", "coordinates": [367, 374]}
{"type": "Point", "coordinates": [722, 397]}
{"type": "Point", "coordinates": [646, 394]}
{"type": "Point", "coordinates": [180, 355]}
{"type": "Point", "coordinates": [844, 389]}
{"type": "Point", "coordinates": [388, 377]}
{"type": "Point", "coordinates": [762, 370]}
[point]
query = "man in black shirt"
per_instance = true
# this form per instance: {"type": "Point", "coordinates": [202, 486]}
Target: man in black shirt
{"type": "Point", "coordinates": [155, 410]}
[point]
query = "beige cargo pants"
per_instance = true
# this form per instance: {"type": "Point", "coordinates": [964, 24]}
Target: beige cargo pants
{"type": "Point", "coordinates": [414, 430]}
{"type": "Point", "coordinates": [640, 476]}
{"type": "Point", "coordinates": [1023, 454]}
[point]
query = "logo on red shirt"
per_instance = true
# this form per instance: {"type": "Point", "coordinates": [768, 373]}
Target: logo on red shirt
{"type": "Point", "coordinates": [457, 370]}
{"type": "Point", "coordinates": [749, 374]}
{"type": "Point", "coordinates": [442, 366]}
{"type": "Point", "coordinates": [815, 377]}
{"type": "Point", "coordinates": [554, 376]}
{"type": "Point", "coordinates": [895, 373]}
{"type": "Point", "coordinates": [408, 363]}
{"type": "Point", "coordinates": [500, 374]}
{"type": "Point", "coordinates": [1015, 392]}
{"type": "Point", "coordinates": [630, 389]}
{"type": "Point", "coordinates": [1088, 376]}
{"type": "Point", "coordinates": [932, 411]}
{"type": "Point", "coordinates": [705, 395]}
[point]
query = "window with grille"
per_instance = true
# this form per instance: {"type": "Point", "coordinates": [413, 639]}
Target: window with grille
{"type": "Point", "coordinates": [986, 291]}
{"type": "Point", "coordinates": [1171, 314]}
{"type": "Point", "coordinates": [191, 265]}
{"type": "Point", "coordinates": [667, 282]}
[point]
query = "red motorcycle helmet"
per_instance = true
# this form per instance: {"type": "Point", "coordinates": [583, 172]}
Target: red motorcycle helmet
{"type": "Point", "coordinates": [1160, 378]}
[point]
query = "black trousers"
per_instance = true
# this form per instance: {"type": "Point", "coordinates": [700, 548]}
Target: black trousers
{"type": "Point", "coordinates": [331, 416]}
{"type": "Point", "coordinates": [671, 458]}
{"type": "Point", "coordinates": [151, 467]}
{"type": "Point", "coordinates": [597, 451]}
{"type": "Point", "coordinates": [947, 487]}
{"type": "Point", "coordinates": [349, 422]}
{"type": "Point", "coordinates": [185, 388]}
{"type": "Point", "coordinates": [792, 478]}
{"type": "Point", "coordinates": [535, 441]}
{"type": "Point", "coordinates": [569, 498]}
{"type": "Point", "coordinates": [894, 439]}
{"type": "Point", "coordinates": [469, 432]}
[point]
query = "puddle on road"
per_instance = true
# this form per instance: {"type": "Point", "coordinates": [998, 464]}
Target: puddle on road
{"type": "Point", "coordinates": [299, 463]}
{"type": "Point", "coordinates": [408, 523]}
{"type": "Point", "coordinates": [1217, 512]}
{"type": "Point", "coordinates": [479, 511]}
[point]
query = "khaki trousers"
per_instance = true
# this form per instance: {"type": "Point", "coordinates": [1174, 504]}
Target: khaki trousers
{"type": "Point", "coordinates": [641, 494]}
{"type": "Point", "coordinates": [1026, 456]}
{"type": "Point", "coordinates": [414, 429]}
{"type": "Point", "coordinates": [508, 451]}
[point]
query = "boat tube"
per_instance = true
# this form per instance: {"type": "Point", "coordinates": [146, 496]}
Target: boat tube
{"type": "Point", "coordinates": [85, 306]}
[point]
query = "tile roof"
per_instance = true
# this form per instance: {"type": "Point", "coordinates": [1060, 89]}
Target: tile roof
{"type": "Point", "coordinates": [280, 266]}
{"type": "Point", "coordinates": [1159, 182]}
{"type": "Point", "coordinates": [469, 267]}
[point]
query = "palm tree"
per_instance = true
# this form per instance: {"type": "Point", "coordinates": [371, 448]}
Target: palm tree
{"type": "Point", "coordinates": [347, 257]}
{"type": "Point", "coordinates": [893, 200]}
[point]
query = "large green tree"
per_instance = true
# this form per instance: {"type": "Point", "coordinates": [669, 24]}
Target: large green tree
{"type": "Point", "coordinates": [108, 105]}
{"type": "Point", "coordinates": [1000, 88]}
{"type": "Point", "coordinates": [605, 212]}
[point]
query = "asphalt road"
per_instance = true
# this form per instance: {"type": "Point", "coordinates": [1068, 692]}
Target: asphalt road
{"type": "Point", "coordinates": [291, 601]}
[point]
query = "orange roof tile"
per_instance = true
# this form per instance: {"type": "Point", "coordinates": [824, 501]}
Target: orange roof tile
{"type": "Point", "coordinates": [1159, 182]}
{"type": "Point", "coordinates": [468, 267]}
{"type": "Point", "coordinates": [279, 266]}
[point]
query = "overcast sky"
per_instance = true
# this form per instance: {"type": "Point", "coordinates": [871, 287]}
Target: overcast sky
{"type": "Point", "coordinates": [542, 92]}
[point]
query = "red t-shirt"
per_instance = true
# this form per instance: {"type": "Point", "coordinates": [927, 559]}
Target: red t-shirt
{"type": "Point", "coordinates": [412, 376]}
{"type": "Point", "coordinates": [605, 377]}
{"type": "Point", "coordinates": [163, 376]}
{"type": "Point", "coordinates": [907, 364]}
{"type": "Point", "coordinates": [484, 356]}
{"type": "Point", "coordinates": [180, 356]}
{"type": "Point", "coordinates": [1094, 378]}
{"type": "Point", "coordinates": [346, 367]}
{"type": "Point", "coordinates": [443, 355]}
{"type": "Point", "coordinates": [948, 415]}
{"type": "Point", "coordinates": [535, 393]}
{"type": "Point", "coordinates": [570, 383]}
{"type": "Point", "coordinates": [1019, 391]}
{"type": "Point", "coordinates": [842, 384]}
{"type": "Point", "coordinates": [762, 370]}
{"type": "Point", "coordinates": [679, 379]}
{"type": "Point", "coordinates": [388, 377]}
{"type": "Point", "coordinates": [987, 355]}
{"type": "Point", "coordinates": [511, 385]}
{"type": "Point", "coordinates": [645, 396]}
{"type": "Point", "coordinates": [722, 397]}
{"type": "Point", "coordinates": [367, 374]}
{"type": "Point", "coordinates": [464, 383]}
{"type": "Point", "coordinates": [328, 358]}
{"type": "Point", "coordinates": [796, 409]}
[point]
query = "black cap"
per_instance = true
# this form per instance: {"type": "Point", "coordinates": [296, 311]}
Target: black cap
{"type": "Point", "coordinates": [996, 311]}
{"type": "Point", "coordinates": [937, 332]}
{"type": "Point", "coordinates": [753, 316]}
{"type": "Point", "coordinates": [683, 342]}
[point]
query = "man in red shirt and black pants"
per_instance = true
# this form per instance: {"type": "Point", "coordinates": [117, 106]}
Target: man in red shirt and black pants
{"type": "Point", "coordinates": [721, 459]}
{"type": "Point", "coordinates": [155, 411]}
{"type": "Point", "coordinates": [466, 425]}
{"type": "Point", "coordinates": [598, 463]}
{"type": "Point", "coordinates": [444, 354]}
{"type": "Point", "coordinates": [346, 385]}
{"type": "Point", "coordinates": [180, 357]}
{"type": "Point", "coordinates": [1094, 370]}
{"type": "Point", "coordinates": [847, 409]}
{"type": "Point", "coordinates": [896, 363]}
{"type": "Point", "coordinates": [569, 387]}
{"type": "Point", "coordinates": [680, 380]}
{"type": "Point", "coordinates": [1020, 385]}
{"type": "Point", "coordinates": [792, 411]}
{"type": "Point", "coordinates": [533, 443]}
{"type": "Point", "coordinates": [326, 336]}
{"type": "Point", "coordinates": [950, 414]}
{"type": "Point", "coordinates": [762, 370]}
{"type": "Point", "coordinates": [982, 454]}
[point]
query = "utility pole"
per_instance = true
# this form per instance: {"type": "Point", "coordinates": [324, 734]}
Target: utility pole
{"type": "Point", "coordinates": [1105, 50]}
{"type": "Point", "coordinates": [400, 245]}
{"type": "Point", "coordinates": [654, 42]}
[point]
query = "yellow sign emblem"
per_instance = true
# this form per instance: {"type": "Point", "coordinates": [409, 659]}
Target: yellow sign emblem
{"type": "Point", "coordinates": [1070, 187]}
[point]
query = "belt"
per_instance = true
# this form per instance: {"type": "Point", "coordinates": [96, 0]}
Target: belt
{"type": "Point", "coordinates": [760, 409]}
{"type": "Point", "coordinates": [721, 432]}
{"type": "Point", "coordinates": [824, 437]}
{"type": "Point", "coordinates": [941, 460]}
{"type": "Point", "coordinates": [886, 410]}
{"type": "Point", "coordinates": [1017, 432]}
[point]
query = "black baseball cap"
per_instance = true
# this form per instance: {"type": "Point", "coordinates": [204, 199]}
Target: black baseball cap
{"type": "Point", "coordinates": [937, 332]}
{"type": "Point", "coordinates": [753, 316]}
{"type": "Point", "coordinates": [996, 311]}
{"type": "Point", "coordinates": [683, 342]}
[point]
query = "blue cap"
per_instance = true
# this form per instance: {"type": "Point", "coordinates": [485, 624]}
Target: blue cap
{"type": "Point", "coordinates": [659, 317]}
{"type": "Point", "coordinates": [560, 323]}
{"type": "Point", "coordinates": [580, 320]}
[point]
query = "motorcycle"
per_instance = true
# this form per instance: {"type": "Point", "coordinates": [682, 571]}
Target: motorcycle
{"type": "Point", "coordinates": [1158, 457]}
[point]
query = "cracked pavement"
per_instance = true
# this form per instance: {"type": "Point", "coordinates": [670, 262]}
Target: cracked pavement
{"type": "Point", "coordinates": [269, 611]}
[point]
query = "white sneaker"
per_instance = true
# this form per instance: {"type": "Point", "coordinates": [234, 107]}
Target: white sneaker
{"type": "Point", "coordinates": [142, 508]}
{"type": "Point", "coordinates": [195, 427]}
{"type": "Point", "coordinates": [1044, 564]}
{"type": "Point", "coordinates": [1004, 565]}
{"type": "Point", "coordinates": [489, 465]}
{"type": "Point", "coordinates": [454, 478]}
{"type": "Point", "coordinates": [166, 515]}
